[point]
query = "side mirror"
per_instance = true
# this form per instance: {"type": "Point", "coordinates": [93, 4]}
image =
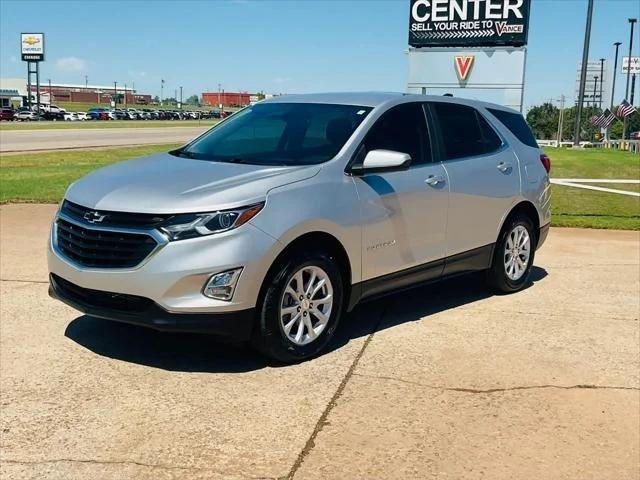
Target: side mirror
{"type": "Point", "coordinates": [383, 161]}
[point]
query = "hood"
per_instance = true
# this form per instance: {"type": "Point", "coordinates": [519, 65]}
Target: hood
{"type": "Point", "coordinates": [164, 183]}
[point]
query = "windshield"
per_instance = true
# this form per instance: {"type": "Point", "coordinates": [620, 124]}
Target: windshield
{"type": "Point", "coordinates": [279, 134]}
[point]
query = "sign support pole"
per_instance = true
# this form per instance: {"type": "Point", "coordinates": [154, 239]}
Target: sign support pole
{"type": "Point", "coordinates": [29, 85]}
{"type": "Point", "coordinates": [583, 73]}
{"type": "Point", "coordinates": [38, 90]}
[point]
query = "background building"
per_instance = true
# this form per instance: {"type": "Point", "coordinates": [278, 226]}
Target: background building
{"type": "Point", "coordinates": [602, 95]}
{"type": "Point", "coordinates": [227, 99]}
{"type": "Point", "coordinates": [91, 93]}
{"type": "Point", "coordinates": [12, 90]}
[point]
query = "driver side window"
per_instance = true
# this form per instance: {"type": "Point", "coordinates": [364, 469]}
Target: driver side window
{"type": "Point", "coordinates": [401, 129]}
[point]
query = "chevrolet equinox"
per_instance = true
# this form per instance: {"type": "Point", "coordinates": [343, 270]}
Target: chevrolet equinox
{"type": "Point", "coordinates": [272, 224]}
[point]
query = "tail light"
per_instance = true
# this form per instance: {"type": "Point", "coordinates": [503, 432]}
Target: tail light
{"type": "Point", "coordinates": [546, 162]}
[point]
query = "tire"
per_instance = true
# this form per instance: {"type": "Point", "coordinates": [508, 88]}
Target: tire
{"type": "Point", "coordinates": [505, 276]}
{"type": "Point", "coordinates": [270, 336]}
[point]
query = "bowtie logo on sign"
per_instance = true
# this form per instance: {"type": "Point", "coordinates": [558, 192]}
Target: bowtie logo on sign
{"type": "Point", "coordinates": [463, 65]}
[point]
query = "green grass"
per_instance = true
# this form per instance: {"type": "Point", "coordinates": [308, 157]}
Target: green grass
{"type": "Point", "coordinates": [575, 207]}
{"type": "Point", "coordinates": [5, 126]}
{"type": "Point", "coordinates": [44, 177]}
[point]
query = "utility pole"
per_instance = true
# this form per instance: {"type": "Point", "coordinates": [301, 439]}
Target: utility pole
{"type": "Point", "coordinates": [632, 22]}
{"type": "Point", "coordinates": [219, 102]}
{"type": "Point", "coordinates": [125, 96]}
{"type": "Point", "coordinates": [583, 72]}
{"type": "Point", "coordinates": [50, 94]}
{"type": "Point", "coordinates": [560, 122]}
{"type": "Point", "coordinates": [175, 96]}
{"type": "Point", "coordinates": [601, 81]}
{"type": "Point", "coordinates": [615, 73]}
{"type": "Point", "coordinates": [595, 89]}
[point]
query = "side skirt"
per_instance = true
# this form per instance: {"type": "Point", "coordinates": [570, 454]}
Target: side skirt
{"type": "Point", "coordinates": [465, 262]}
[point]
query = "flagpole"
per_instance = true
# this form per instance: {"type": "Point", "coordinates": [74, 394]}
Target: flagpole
{"type": "Point", "coordinates": [583, 72]}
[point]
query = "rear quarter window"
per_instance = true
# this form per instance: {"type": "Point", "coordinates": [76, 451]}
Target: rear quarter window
{"type": "Point", "coordinates": [516, 125]}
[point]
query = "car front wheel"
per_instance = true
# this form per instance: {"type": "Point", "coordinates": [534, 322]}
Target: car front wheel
{"type": "Point", "coordinates": [301, 308]}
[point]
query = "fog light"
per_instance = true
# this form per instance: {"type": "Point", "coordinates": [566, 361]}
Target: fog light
{"type": "Point", "coordinates": [222, 285]}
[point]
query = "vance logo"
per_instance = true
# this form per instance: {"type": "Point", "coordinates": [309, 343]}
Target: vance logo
{"type": "Point", "coordinates": [463, 65]}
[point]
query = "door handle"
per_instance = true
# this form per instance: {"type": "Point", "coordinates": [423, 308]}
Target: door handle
{"type": "Point", "coordinates": [503, 166]}
{"type": "Point", "coordinates": [434, 180]}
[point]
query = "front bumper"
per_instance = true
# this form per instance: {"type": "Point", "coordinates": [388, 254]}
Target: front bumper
{"type": "Point", "coordinates": [145, 312]}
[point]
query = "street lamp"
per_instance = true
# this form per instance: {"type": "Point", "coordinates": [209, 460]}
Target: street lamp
{"type": "Point", "coordinates": [632, 22]}
{"type": "Point", "coordinates": [615, 73]}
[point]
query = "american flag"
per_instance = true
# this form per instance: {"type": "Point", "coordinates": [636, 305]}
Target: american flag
{"type": "Point", "coordinates": [603, 120]}
{"type": "Point", "coordinates": [625, 109]}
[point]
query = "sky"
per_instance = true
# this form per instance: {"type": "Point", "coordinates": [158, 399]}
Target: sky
{"type": "Point", "coordinates": [280, 46]}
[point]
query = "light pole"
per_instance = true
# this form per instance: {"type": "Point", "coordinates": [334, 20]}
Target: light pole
{"type": "Point", "coordinates": [180, 98]}
{"type": "Point", "coordinates": [50, 95]}
{"type": "Point", "coordinates": [560, 122]}
{"type": "Point", "coordinates": [632, 22]}
{"type": "Point", "coordinates": [125, 96]}
{"type": "Point", "coordinates": [219, 103]}
{"type": "Point", "coordinates": [583, 72]}
{"type": "Point", "coordinates": [615, 73]}
{"type": "Point", "coordinates": [595, 89]}
{"type": "Point", "coordinates": [161, 89]}
{"type": "Point", "coordinates": [601, 81]}
{"type": "Point", "coordinates": [115, 94]}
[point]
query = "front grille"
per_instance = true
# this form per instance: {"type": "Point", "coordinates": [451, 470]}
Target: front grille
{"type": "Point", "coordinates": [100, 248]}
{"type": "Point", "coordinates": [99, 299]}
{"type": "Point", "coordinates": [113, 219]}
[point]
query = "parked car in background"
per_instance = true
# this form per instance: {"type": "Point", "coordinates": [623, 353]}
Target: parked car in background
{"type": "Point", "coordinates": [318, 202]}
{"type": "Point", "coordinates": [635, 136]}
{"type": "Point", "coordinates": [81, 116]}
{"type": "Point", "coordinates": [53, 116]}
{"type": "Point", "coordinates": [25, 115]}
{"type": "Point", "coordinates": [71, 117]}
{"type": "Point", "coordinates": [7, 114]}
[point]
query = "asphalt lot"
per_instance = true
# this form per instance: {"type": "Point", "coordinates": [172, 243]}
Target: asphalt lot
{"type": "Point", "coordinates": [35, 140]}
{"type": "Point", "coordinates": [445, 381]}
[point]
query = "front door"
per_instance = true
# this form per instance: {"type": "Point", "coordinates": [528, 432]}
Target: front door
{"type": "Point", "coordinates": [404, 212]}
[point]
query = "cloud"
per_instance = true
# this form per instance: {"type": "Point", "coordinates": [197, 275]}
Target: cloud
{"type": "Point", "coordinates": [71, 64]}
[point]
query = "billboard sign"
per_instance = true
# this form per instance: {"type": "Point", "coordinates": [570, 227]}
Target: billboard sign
{"type": "Point", "coordinates": [468, 23]}
{"type": "Point", "coordinates": [634, 63]}
{"type": "Point", "coordinates": [32, 47]}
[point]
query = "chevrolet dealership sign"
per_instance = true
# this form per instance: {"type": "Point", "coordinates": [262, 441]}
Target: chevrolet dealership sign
{"type": "Point", "coordinates": [470, 23]}
{"type": "Point", "coordinates": [32, 47]}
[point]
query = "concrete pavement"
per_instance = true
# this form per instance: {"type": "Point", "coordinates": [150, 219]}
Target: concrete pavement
{"type": "Point", "coordinates": [445, 381]}
{"type": "Point", "coordinates": [35, 140]}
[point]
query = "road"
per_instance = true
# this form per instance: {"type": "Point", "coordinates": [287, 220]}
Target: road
{"type": "Point", "coordinates": [444, 381]}
{"type": "Point", "coordinates": [34, 140]}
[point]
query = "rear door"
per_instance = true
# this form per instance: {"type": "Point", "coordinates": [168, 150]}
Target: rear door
{"type": "Point", "coordinates": [484, 179]}
{"type": "Point", "coordinates": [404, 212]}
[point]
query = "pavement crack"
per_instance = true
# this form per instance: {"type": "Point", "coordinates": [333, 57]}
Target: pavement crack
{"type": "Point", "coordinates": [499, 390]}
{"type": "Point", "coordinates": [322, 421]}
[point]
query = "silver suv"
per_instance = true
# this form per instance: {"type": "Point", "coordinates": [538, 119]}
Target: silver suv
{"type": "Point", "coordinates": [275, 222]}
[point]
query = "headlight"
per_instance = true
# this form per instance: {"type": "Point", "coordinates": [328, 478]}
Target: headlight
{"type": "Point", "coordinates": [191, 225]}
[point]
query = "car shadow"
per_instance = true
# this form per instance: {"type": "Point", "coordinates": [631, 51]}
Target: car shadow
{"type": "Point", "coordinates": [187, 352]}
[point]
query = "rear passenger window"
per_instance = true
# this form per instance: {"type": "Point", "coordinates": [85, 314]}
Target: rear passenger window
{"type": "Point", "coordinates": [517, 125]}
{"type": "Point", "coordinates": [465, 133]}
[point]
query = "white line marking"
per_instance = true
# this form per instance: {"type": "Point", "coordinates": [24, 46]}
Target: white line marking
{"type": "Point", "coordinates": [591, 187]}
{"type": "Point", "coordinates": [597, 180]}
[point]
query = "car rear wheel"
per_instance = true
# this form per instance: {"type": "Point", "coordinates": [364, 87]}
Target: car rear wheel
{"type": "Point", "coordinates": [301, 308]}
{"type": "Point", "coordinates": [513, 255]}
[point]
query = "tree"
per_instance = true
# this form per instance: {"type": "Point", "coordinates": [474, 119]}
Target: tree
{"type": "Point", "coordinates": [543, 120]}
{"type": "Point", "coordinates": [192, 100]}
